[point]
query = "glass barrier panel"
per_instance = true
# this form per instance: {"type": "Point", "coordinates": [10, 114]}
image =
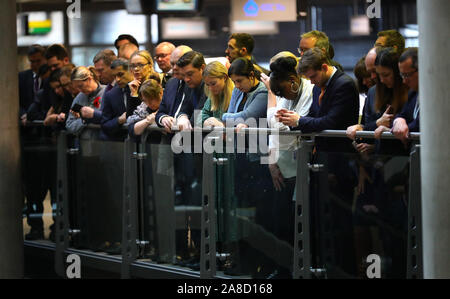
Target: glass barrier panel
{"type": "Point", "coordinates": [99, 176]}
{"type": "Point", "coordinates": [359, 213]}
{"type": "Point", "coordinates": [255, 213]}
{"type": "Point", "coordinates": [39, 157]}
{"type": "Point", "coordinates": [171, 217]}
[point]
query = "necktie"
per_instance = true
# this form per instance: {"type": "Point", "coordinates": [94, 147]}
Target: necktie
{"type": "Point", "coordinates": [194, 99]}
{"type": "Point", "coordinates": [416, 108]}
{"type": "Point", "coordinates": [36, 83]}
{"type": "Point", "coordinates": [35, 87]}
{"type": "Point", "coordinates": [321, 95]}
{"type": "Point", "coordinates": [176, 104]}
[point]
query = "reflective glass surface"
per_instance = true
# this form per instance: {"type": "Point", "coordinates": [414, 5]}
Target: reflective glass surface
{"type": "Point", "coordinates": [359, 214]}
{"type": "Point", "coordinates": [99, 192]}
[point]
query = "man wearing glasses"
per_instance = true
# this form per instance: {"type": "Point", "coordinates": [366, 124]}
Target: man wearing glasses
{"type": "Point", "coordinates": [162, 58]}
{"type": "Point", "coordinates": [408, 119]}
{"type": "Point", "coordinates": [320, 40]}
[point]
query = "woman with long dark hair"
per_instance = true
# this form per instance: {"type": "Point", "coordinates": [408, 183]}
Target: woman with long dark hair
{"type": "Point", "coordinates": [249, 97]}
{"type": "Point", "coordinates": [386, 98]}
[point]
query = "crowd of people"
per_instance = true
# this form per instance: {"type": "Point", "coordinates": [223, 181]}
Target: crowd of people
{"type": "Point", "coordinates": [309, 93]}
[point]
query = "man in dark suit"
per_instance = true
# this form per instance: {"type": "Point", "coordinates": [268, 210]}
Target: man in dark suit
{"type": "Point", "coordinates": [44, 163]}
{"type": "Point", "coordinates": [335, 97]}
{"type": "Point", "coordinates": [408, 119]}
{"type": "Point", "coordinates": [173, 92]}
{"type": "Point", "coordinates": [57, 57]}
{"type": "Point", "coordinates": [29, 81]}
{"type": "Point", "coordinates": [102, 63]}
{"type": "Point", "coordinates": [163, 53]}
{"type": "Point", "coordinates": [335, 106]}
{"type": "Point", "coordinates": [29, 85]}
{"type": "Point", "coordinates": [116, 105]}
{"type": "Point", "coordinates": [192, 65]}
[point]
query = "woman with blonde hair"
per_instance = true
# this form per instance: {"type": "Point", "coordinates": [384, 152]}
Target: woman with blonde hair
{"type": "Point", "coordinates": [141, 66]}
{"type": "Point", "coordinates": [218, 89]}
{"type": "Point", "coordinates": [151, 93]}
{"type": "Point", "coordinates": [85, 108]}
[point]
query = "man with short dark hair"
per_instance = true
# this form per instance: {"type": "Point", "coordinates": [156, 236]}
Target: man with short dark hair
{"type": "Point", "coordinates": [29, 81]}
{"type": "Point", "coordinates": [408, 119]}
{"type": "Point", "coordinates": [320, 40]}
{"type": "Point", "coordinates": [335, 106]}
{"type": "Point", "coordinates": [29, 85]}
{"type": "Point", "coordinates": [242, 45]}
{"type": "Point", "coordinates": [335, 96]}
{"type": "Point", "coordinates": [124, 39]}
{"type": "Point", "coordinates": [102, 62]}
{"type": "Point", "coordinates": [192, 65]}
{"type": "Point", "coordinates": [390, 39]}
{"type": "Point", "coordinates": [116, 105]}
{"type": "Point", "coordinates": [57, 56]}
{"type": "Point", "coordinates": [36, 57]}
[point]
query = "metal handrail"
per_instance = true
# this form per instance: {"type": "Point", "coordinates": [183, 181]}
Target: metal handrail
{"type": "Point", "coordinates": [267, 131]}
{"type": "Point", "coordinates": [325, 133]}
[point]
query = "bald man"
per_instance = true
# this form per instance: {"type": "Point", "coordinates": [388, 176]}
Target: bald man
{"type": "Point", "coordinates": [370, 63]}
{"type": "Point", "coordinates": [126, 50]}
{"type": "Point", "coordinates": [173, 92]}
{"type": "Point", "coordinates": [162, 58]}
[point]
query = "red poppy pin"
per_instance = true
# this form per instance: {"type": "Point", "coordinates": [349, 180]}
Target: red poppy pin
{"type": "Point", "coordinates": [96, 102]}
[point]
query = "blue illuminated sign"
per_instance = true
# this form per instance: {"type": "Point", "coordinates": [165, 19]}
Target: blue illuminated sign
{"type": "Point", "coordinates": [251, 8]}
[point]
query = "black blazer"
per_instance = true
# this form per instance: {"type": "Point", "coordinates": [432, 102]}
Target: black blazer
{"type": "Point", "coordinates": [408, 113]}
{"type": "Point", "coordinates": [113, 107]}
{"type": "Point", "coordinates": [195, 100]}
{"type": "Point", "coordinates": [47, 98]}
{"type": "Point", "coordinates": [396, 147]}
{"type": "Point", "coordinates": [339, 109]}
{"type": "Point", "coordinates": [26, 90]}
{"type": "Point", "coordinates": [41, 102]}
{"type": "Point", "coordinates": [370, 115]}
{"type": "Point", "coordinates": [173, 94]}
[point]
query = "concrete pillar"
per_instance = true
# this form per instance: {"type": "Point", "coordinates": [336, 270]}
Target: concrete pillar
{"type": "Point", "coordinates": [434, 65]}
{"type": "Point", "coordinates": [11, 198]}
